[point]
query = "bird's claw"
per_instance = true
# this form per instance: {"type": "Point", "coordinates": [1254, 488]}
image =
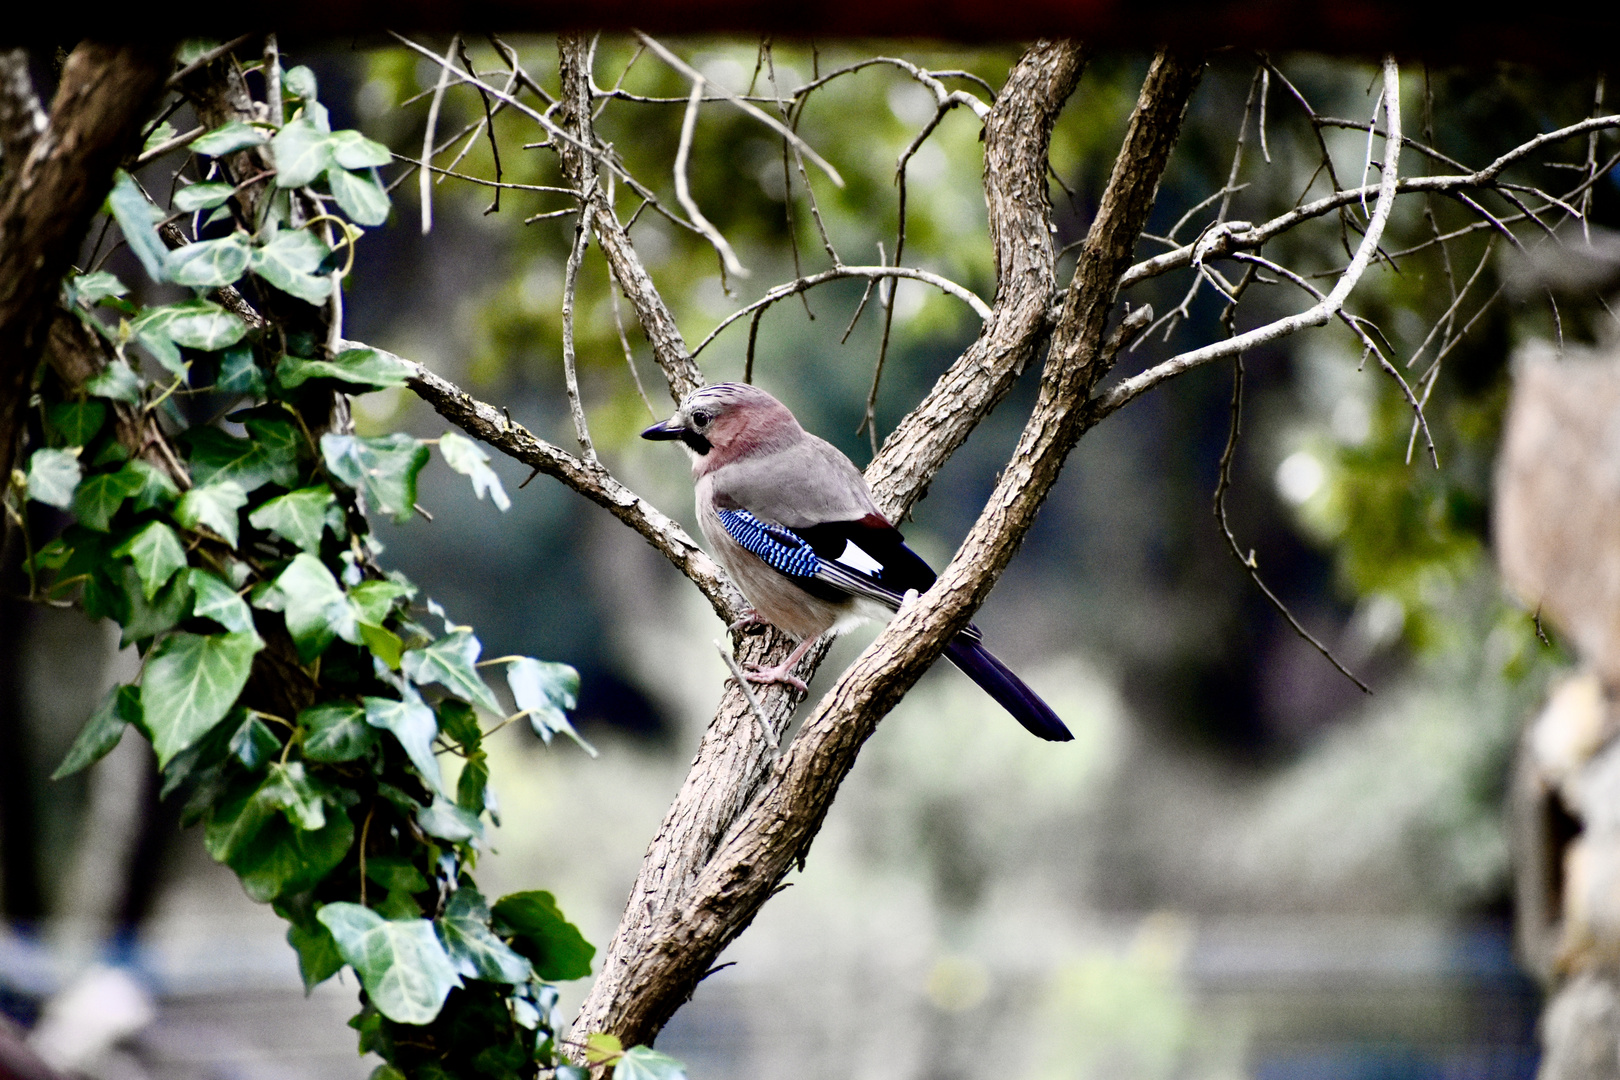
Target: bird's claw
{"type": "Point", "coordinates": [751, 618]}
{"type": "Point", "coordinates": [776, 674]}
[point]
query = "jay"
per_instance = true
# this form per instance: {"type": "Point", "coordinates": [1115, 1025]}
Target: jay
{"type": "Point", "coordinates": [792, 520]}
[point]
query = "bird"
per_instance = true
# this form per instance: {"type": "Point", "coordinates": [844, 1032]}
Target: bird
{"type": "Point", "coordinates": [791, 519]}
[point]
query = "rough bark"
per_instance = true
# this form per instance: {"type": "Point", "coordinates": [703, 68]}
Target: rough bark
{"type": "Point", "coordinates": [670, 935]}
{"type": "Point", "coordinates": [54, 192]}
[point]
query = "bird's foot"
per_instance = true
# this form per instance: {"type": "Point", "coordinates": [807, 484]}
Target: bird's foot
{"type": "Point", "coordinates": [754, 673]}
{"type": "Point", "coordinates": [751, 618]}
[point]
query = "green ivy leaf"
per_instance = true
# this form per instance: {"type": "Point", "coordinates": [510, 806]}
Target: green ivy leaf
{"type": "Point", "coordinates": [92, 288]}
{"type": "Point", "coordinates": [545, 691]}
{"type": "Point", "coordinates": [374, 600]}
{"type": "Point", "coordinates": [315, 606]}
{"type": "Point", "coordinates": [398, 906]}
{"type": "Point", "coordinates": [74, 423]}
{"type": "Point", "coordinates": [238, 372]}
{"type": "Point", "coordinates": [234, 822]}
{"type": "Point", "coordinates": [282, 860]}
{"type": "Point", "coordinates": [164, 351]}
{"type": "Point", "coordinates": [360, 196]}
{"type": "Point", "coordinates": [474, 950]}
{"type": "Point", "coordinates": [53, 475]}
{"type": "Point", "coordinates": [555, 945]}
{"type": "Point", "coordinates": [191, 682]}
{"type": "Point", "coordinates": [303, 151]}
{"type": "Point", "coordinates": [336, 732]}
{"type": "Point", "coordinates": [270, 456]}
{"type": "Point", "coordinates": [298, 517]}
{"type": "Point", "coordinates": [470, 459]}
{"type": "Point", "coordinates": [157, 554]}
{"type": "Point", "coordinates": [352, 150]}
{"type": "Point", "coordinates": [367, 369]}
{"type": "Point", "coordinates": [450, 662]}
{"type": "Point", "coordinates": [383, 469]}
{"type": "Point", "coordinates": [299, 82]}
{"type": "Point", "coordinates": [645, 1063]}
{"type": "Point", "coordinates": [289, 261]}
{"type": "Point", "coordinates": [602, 1048]}
{"type": "Point", "coordinates": [289, 790]}
{"type": "Point", "coordinates": [120, 708]}
{"type": "Point", "coordinates": [448, 821]}
{"type": "Point", "coordinates": [116, 381]}
{"type": "Point", "coordinates": [134, 214]}
{"type": "Point", "coordinates": [414, 725]}
{"type": "Point", "coordinates": [203, 324]}
{"type": "Point", "coordinates": [472, 785]}
{"type": "Point", "coordinates": [210, 264]}
{"type": "Point", "coordinates": [254, 743]}
{"type": "Point", "coordinates": [98, 498]}
{"type": "Point", "coordinates": [156, 490]}
{"type": "Point", "coordinates": [158, 136]}
{"type": "Point", "coordinates": [188, 200]}
{"type": "Point", "coordinates": [196, 324]}
{"type": "Point", "coordinates": [318, 956]}
{"type": "Point", "coordinates": [229, 138]}
{"type": "Point", "coordinates": [402, 965]}
{"type": "Point", "coordinates": [384, 644]}
{"type": "Point", "coordinates": [142, 618]}
{"type": "Point", "coordinates": [215, 505]}
{"type": "Point", "coordinates": [458, 720]}
{"type": "Point", "coordinates": [395, 874]}
{"type": "Point", "coordinates": [218, 601]}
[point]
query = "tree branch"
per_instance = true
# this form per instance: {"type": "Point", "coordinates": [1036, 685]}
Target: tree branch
{"type": "Point", "coordinates": [484, 421]}
{"type": "Point", "coordinates": [51, 195]}
{"type": "Point", "coordinates": [1319, 313]}
{"type": "Point", "coordinates": [669, 348]}
{"type": "Point", "coordinates": [668, 941]}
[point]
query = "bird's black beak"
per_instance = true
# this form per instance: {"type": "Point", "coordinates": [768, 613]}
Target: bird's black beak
{"type": "Point", "coordinates": [668, 431]}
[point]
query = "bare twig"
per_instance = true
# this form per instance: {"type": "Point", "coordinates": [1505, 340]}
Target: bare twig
{"type": "Point", "coordinates": [770, 736]}
{"type": "Point", "coordinates": [426, 186]}
{"type": "Point", "coordinates": [1320, 313]}
{"type": "Point", "coordinates": [758, 114]}
{"type": "Point", "coordinates": [576, 408]}
{"type": "Point", "coordinates": [683, 192]}
{"type": "Point", "coordinates": [787, 289]}
{"type": "Point", "coordinates": [1222, 484]}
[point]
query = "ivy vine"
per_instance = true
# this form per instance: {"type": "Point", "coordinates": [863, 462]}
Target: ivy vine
{"type": "Point", "coordinates": [243, 540]}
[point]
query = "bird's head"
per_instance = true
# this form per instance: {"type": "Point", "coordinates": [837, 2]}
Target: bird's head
{"type": "Point", "coordinates": [727, 421]}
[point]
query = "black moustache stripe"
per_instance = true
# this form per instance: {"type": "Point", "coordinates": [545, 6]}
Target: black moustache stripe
{"type": "Point", "coordinates": [698, 443]}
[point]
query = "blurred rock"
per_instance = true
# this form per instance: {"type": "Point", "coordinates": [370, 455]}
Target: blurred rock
{"type": "Point", "coordinates": [1558, 498]}
{"type": "Point", "coordinates": [1579, 1031]}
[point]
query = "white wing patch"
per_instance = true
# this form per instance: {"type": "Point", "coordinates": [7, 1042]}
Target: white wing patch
{"type": "Point", "coordinates": [856, 559]}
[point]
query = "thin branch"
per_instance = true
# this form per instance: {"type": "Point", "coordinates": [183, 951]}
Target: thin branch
{"type": "Point", "coordinates": [683, 192]}
{"type": "Point", "coordinates": [1222, 484]}
{"type": "Point", "coordinates": [758, 114]}
{"type": "Point", "coordinates": [426, 186]}
{"type": "Point", "coordinates": [487, 423]}
{"type": "Point", "coordinates": [789, 288]}
{"type": "Point", "coordinates": [772, 740]}
{"type": "Point", "coordinates": [205, 59]}
{"type": "Point", "coordinates": [1319, 314]}
{"type": "Point", "coordinates": [576, 255]}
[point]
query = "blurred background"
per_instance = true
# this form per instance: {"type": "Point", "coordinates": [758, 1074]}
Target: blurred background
{"type": "Point", "coordinates": [1243, 866]}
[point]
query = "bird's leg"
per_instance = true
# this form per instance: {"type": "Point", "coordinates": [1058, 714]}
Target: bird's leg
{"type": "Point", "coordinates": [779, 673]}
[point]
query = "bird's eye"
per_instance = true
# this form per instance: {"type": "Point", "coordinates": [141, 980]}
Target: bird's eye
{"type": "Point", "coordinates": [700, 419]}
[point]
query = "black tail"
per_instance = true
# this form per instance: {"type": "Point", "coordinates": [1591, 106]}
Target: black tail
{"type": "Point", "coordinates": [980, 665]}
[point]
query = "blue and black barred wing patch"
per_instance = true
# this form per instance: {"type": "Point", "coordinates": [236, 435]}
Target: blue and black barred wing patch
{"type": "Point", "coordinates": [782, 549]}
